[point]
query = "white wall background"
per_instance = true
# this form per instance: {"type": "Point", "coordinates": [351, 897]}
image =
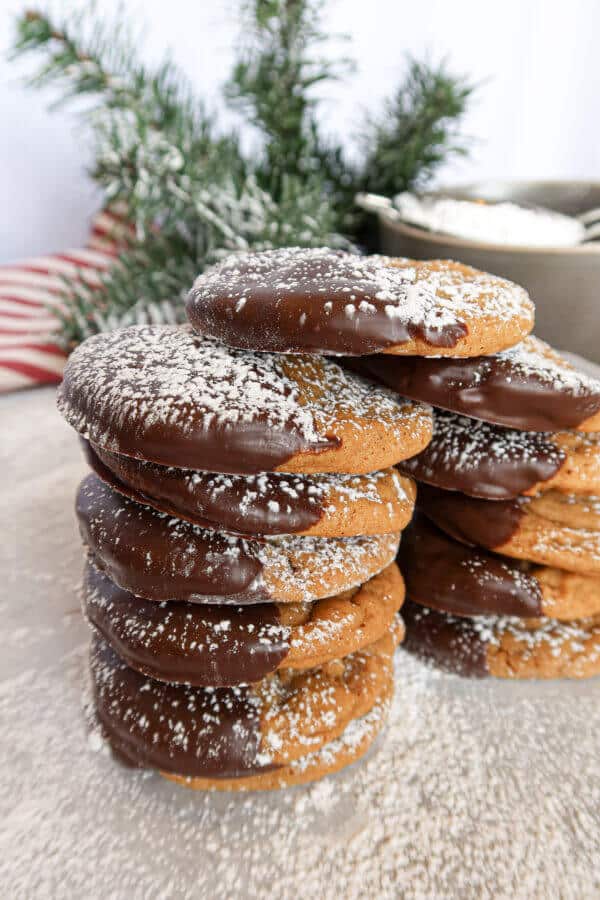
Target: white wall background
{"type": "Point", "coordinates": [536, 113]}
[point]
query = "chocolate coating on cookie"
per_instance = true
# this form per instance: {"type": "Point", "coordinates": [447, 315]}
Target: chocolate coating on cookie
{"type": "Point", "coordinates": [469, 519]}
{"type": "Point", "coordinates": [444, 574]}
{"type": "Point", "coordinates": [529, 387]}
{"type": "Point", "coordinates": [312, 300]}
{"type": "Point", "coordinates": [484, 460]}
{"type": "Point", "coordinates": [180, 642]}
{"type": "Point", "coordinates": [329, 301]}
{"type": "Point", "coordinates": [265, 504]}
{"type": "Point", "coordinates": [159, 558]}
{"type": "Point", "coordinates": [164, 395]}
{"type": "Point", "coordinates": [175, 728]}
{"type": "Point", "coordinates": [450, 643]}
{"type": "Point", "coordinates": [262, 504]}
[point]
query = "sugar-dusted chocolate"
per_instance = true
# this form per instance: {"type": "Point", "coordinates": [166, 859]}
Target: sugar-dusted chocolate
{"type": "Point", "coordinates": [330, 301]}
{"type": "Point", "coordinates": [175, 728]}
{"type": "Point", "coordinates": [529, 387]}
{"type": "Point", "coordinates": [449, 576]}
{"type": "Point", "coordinates": [159, 557]}
{"type": "Point", "coordinates": [484, 460]}
{"type": "Point", "coordinates": [206, 646]}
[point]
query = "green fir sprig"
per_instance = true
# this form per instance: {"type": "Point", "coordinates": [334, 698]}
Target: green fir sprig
{"type": "Point", "coordinates": [187, 188]}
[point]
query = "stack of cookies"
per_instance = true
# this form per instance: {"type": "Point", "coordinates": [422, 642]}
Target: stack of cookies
{"type": "Point", "coordinates": [243, 514]}
{"type": "Point", "coordinates": [502, 561]}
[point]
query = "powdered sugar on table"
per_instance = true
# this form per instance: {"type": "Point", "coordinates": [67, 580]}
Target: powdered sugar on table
{"type": "Point", "coordinates": [476, 790]}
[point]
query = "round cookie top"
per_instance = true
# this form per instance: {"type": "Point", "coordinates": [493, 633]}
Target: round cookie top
{"type": "Point", "coordinates": [529, 387]}
{"type": "Point", "coordinates": [297, 300]}
{"type": "Point", "coordinates": [213, 646]}
{"type": "Point", "coordinates": [266, 504]}
{"type": "Point", "coordinates": [163, 394]}
{"type": "Point", "coordinates": [160, 558]}
{"type": "Point", "coordinates": [484, 460]}
{"type": "Point", "coordinates": [233, 731]}
{"type": "Point", "coordinates": [504, 646]}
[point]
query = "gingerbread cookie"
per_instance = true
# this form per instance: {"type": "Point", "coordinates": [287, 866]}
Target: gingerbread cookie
{"type": "Point", "coordinates": [572, 510]}
{"type": "Point", "coordinates": [352, 744]}
{"type": "Point", "coordinates": [448, 576]}
{"type": "Point", "coordinates": [580, 472]}
{"type": "Point", "coordinates": [266, 504]}
{"type": "Point", "coordinates": [222, 733]}
{"type": "Point", "coordinates": [512, 528]}
{"type": "Point", "coordinates": [162, 558]}
{"type": "Point", "coordinates": [164, 395]}
{"type": "Point", "coordinates": [487, 461]}
{"type": "Point", "coordinates": [529, 387]}
{"type": "Point", "coordinates": [211, 646]}
{"type": "Point", "coordinates": [504, 647]}
{"type": "Point", "coordinates": [328, 301]}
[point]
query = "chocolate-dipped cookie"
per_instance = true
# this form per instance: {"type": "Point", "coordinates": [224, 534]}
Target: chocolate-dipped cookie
{"type": "Point", "coordinates": [503, 647]}
{"type": "Point", "coordinates": [265, 504]}
{"type": "Point", "coordinates": [573, 510]}
{"type": "Point", "coordinates": [221, 733]}
{"type": "Point", "coordinates": [161, 558]}
{"type": "Point", "coordinates": [529, 387]}
{"type": "Point", "coordinates": [483, 460]}
{"type": "Point", "coordinates": [328, 301]}
{"type": "Point", "coordinates": [466, 581]}
{"type": "Point", "coordinates": [164, 395]}
{"type": "Point", "coordinates": [356, 739]}
{"type": "Point", "coordinates": [512, 528]}
{"type": "Point", "coordinates": [210, 646]}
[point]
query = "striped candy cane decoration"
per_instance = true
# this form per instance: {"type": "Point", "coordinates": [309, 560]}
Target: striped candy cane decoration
{"type": "Point", "coordinates": [28, 291]}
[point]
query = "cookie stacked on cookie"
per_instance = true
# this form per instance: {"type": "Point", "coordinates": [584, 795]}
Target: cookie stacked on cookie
{"type": "Point", "coordinates": [244, 511]}
{"type": "Point", "coordinates": [503, 561]}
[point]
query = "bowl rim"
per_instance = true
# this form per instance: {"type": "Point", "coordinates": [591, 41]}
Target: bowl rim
{"type": "Point", "coordinates": [389, 216]}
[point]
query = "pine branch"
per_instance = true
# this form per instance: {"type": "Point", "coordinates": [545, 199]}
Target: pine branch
{"type": "Point", "coordinates": [417, 131]}
{"type": "Point", "coordinates": [272, 85]}
{"type": "Point", "coordinates": [151, 278]}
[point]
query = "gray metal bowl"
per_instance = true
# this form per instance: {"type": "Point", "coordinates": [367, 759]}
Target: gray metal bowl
{"type": "Point", "coordinates": [563, 282]}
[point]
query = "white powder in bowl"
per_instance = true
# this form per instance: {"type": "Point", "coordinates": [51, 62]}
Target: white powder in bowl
{"type": "Point", "coordinates": [491, 223]}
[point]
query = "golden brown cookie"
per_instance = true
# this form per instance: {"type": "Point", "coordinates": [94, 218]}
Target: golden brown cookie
{"type": "Point", "coordinates": [572, 510]}
{"type": "Point", "coordinates": [529, 387]}
{"type": "Point", "coordinates": [235, 732]}
{"type": "Point", "coordinates": [162, 558]}
{"type": "Point", "coordinates": [512, 528]}
{"type": "Point", "coordinates": [213, 646]}
{"type": "Point", "coordinates": [328, 301]}
{"type": "Point", "coordinates": [580, 472]}
{"type": "Point", "coordinates": [466, 581]}
{"type": "Point", "coordinates": [352, 744]}
{"type": "Point", "coordinates": [496, 463]}
{"type": "Point", "coordinates": [163, 395]}
{"type": "Point", "coordinates": [265, 504]}
{"type": "Point", "coordinates": [504, 647]}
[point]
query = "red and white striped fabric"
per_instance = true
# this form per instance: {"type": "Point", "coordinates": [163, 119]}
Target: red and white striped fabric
{"type": "Point", "coordinates": [29, 290]}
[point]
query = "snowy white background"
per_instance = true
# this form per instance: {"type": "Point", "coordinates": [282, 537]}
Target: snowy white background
{"type": "Point", "coordinates": [535, 113]}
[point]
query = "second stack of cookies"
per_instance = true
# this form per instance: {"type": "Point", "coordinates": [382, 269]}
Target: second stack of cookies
{"type": "Point", "coordinates": [503, 561]}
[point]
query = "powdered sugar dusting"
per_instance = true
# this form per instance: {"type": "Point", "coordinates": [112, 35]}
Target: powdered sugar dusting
{"type": "Point", "coordinates": [453, 801]}
{"type": "Point", "coordinates": [418, 294]}
{"type": "Point", "coordinates": [533, 357]}
{"type": "Point", "coordinates": [148, 377]}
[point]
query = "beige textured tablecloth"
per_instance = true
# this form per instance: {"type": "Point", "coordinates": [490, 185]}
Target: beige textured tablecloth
{"type": "Point", "coordinates": [476, 790]}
